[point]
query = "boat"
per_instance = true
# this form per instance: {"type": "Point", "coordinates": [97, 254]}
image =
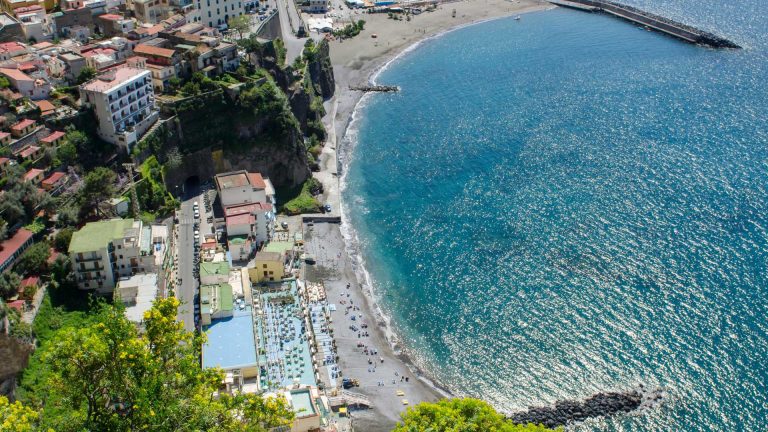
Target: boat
{"type": "Point", "coordinates": [517, 18]}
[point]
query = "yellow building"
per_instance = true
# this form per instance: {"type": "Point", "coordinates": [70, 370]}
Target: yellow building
{"type": "Point", "coordinates": [267, 267]}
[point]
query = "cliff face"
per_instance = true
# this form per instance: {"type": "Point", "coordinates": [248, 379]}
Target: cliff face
{"type": "Point", "coordinates": [321, 71]}
{"type": "Point", "coordinates": [256, 126]}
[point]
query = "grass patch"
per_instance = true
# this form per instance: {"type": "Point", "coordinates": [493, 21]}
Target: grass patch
{"type": "Point", "coordinates": [300, 199]}
{"type": "Point", "coordinates": [62, 307]}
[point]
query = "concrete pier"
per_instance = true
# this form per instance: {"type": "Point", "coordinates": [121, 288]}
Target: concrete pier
{"type": "Point", "coordinates": [649, 20]}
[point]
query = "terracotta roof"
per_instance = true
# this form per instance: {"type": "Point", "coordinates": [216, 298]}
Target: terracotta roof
{"type": "Point", "coordinates": [17, 304]}
{"type": "Point", "coordinates": [257, 207]}
{"type": "Point", "coordinates": [54, 255]}
{"type": "Point", "coordinates": [4, 134]}
{"type": "Point", "coordinates": [43, 45]}
{"type": "Point", "coordinates": [15, 74]}
{"type": "Point", "coordinates": [257, 181]}
{"type": "Point", "coordinates": [29, 151]}
{"type": "Point", "coordinates": [113, 78]}
{"type": "Point", "coordinates": [240, 219]}
{"type": "Point", "coordinates": [23, 124]}
{"type": "Point", "coordinates": [10, 47]}
{"type": "Point", "coordinates": [54, 178]}
{"type": "Point", "coordinates": [45, 106]}
{"type": "Point", "coordinates": [34, 172]}
{"type": "Point", "coordinates": [53, 137]}
{"type": "Point", "coordinates": [4, 160]}
{"type": "Point", "coordinates": [153, 51]}
{"type": "Point", "coordinates": [111, 17]}
{"type": "Point", "coordinates": [30, 281]}
{"type": "Point", "coordinates": [13, 244]}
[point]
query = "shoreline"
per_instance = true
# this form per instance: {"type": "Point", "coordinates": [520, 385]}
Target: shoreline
{"type": "Point", "coordinates": [350, 68]}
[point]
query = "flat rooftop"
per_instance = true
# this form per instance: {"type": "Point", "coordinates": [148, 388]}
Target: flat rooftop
{"type": "Point", "coordinates": [230, 342]}
{"type": "Point", "coordinates": [146, 285]}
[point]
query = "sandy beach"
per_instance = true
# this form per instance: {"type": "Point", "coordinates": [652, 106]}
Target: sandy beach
{"type": "Point", "coordinates": [355, 61]}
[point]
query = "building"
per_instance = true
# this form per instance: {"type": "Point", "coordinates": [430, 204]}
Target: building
{"type": "Point", "coordinates": [217, 13]}
{"type": "Point", "coordinates": [73, 64]}
{"type": "Point", "coordinates": [214, 273]}
{"type": "Point", "coordinates": [53, 140]}
{"type": "Point", "coordinates": [248, 227]}
{"type": "Point", "coordinates": [5, 138]}
{"type": "Point", "coordinates": [22, 128]}
{"type": "Point", "coordinates": [314, 6]}
{"type": "Point", "coordinates": [4, 164]}
{"type": "Point", "coordinates": [114, 25]}
{"type": "Point", "coordinates": [150, 11]}
{"type": "Point", "coordinates": [12, 248]}
{"type": "Point", "coordinates": [54, 181]}
{"type": "Point", "coordinates": [30, 153]}
{"type": "Point", "coordinates": [231, 345]}
{"type": "Point", "coordinates": [215, 302]}
{"type": "Point", "coordinates": [35, 88]}
{"type": "Point", "coordinates": [124, 104]}
{"type": "Point", "coordinates": [267, 267]}
{"type": "Point", "coordinates": [9, 50]}
{"type": "Point", "coordinates": [241, 187]}
{"type": "Point", "coordinates": [10, 29]}
{"type": "Point", "coordinates": [105, 251]}
{"type": "Point", "coordinates": [35, 176]}
{"type": "Point", "coordinates": [163, 63]}
{"type": "Point", "coordinates": [137, 294]}
{"type": "Point", "coordinates": [309, 406]}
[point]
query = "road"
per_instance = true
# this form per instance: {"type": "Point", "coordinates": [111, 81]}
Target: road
{"type": "Point", "coordinates": [289, 24]}
{"type": "Point", "coordinates": [186, 255]}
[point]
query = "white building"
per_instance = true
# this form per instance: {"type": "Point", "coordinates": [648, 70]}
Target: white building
{"type": "Point", "coordinates": [124, 104]}
{"type": "Point", "coordinates": [105, 251]}
{"type": "Point", "coordinates": [242, 187]}
{"type": "Point", "coordinates": [314, 6]}
{"type": "Point", "coordinates": [216, 13]}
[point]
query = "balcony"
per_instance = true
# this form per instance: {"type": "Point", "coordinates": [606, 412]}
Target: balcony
{"type": "Point", "coordinates": [88, 258]}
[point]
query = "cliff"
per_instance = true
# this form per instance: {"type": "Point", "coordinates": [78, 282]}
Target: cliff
{"type": "Point", "coordinates": [259, 124]}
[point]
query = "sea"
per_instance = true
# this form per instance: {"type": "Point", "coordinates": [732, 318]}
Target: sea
{"type": "Point", "coordinates": [569, 204]}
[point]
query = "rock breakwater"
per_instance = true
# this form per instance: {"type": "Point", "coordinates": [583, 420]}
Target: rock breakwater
{"type": "Point", "coordinates": [599, 405]}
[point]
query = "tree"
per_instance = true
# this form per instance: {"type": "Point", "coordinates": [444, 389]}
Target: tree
{"type": "Point", "coordinates": [459, 415]}
{"type": "Point", "coordinates": [86, 74]}
{"type": "Point", "coordinates": [9, 284]}
{"type": "Point", "coordinates": [15, 417]}
{"type": "Point", "coordinates": [35, 259]}
{"type": "Point", "coordinates": [4, 83]}
{"type": "Point", "coordinates": [63, 237]}
{"type": "Point", "coordinates": [3, 229]}
{"type": "Point", "coordinates": [241, 24]}
{"type": "Point", "coordinates": [106, 376]}
{"type": "Point", "coordinates": [98, 185]}
{"type": "Point", "coordinates": [67, 153]}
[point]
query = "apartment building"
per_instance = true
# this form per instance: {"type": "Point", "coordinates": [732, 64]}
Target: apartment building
{"type": "Point", "coordinates": [124, 104]}
{"type": "Point", "coordinates": [217, 13]}
{"type": "Point", "coordinates": [105, 251]}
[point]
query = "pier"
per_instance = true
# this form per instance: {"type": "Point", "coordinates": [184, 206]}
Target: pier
{"type": "Point", "coordinates": [649, 20]}
{"type": "Point", "coordinates": [375, 88]}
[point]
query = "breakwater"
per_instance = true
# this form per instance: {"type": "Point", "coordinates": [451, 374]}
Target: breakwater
{"type": "Point", "coordinates": [599, 405]}
{"type": "Point", "coordinates": [649, 20]}
{"type": "Point", "coordinates": [375, 88]}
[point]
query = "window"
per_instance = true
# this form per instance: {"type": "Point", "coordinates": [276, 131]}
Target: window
{"type": "Point", "coordinates": [265, 274]}
{"type": "Point", "coordinates": [121, 257]}
{"type": "Point", "coordinates": [265, 266]}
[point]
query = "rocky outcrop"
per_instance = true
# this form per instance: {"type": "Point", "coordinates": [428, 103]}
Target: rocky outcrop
{"type": "Point", "coordinates": [599, 405]}
{"type": "Point", "coordinates": [321, 70]}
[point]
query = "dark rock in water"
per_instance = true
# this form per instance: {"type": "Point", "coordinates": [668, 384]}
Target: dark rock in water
{"type": "Point", "coordinates": [599, 405]}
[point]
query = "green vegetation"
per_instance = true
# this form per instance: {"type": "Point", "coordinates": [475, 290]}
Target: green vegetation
{"type": "Point", "coordinates": [9, 283]}
{"type": "Point", "coordinates": [240, 24]}
{"type": "Point", "coordinates": [22, 200]}
{"type": "Point", "coordinates": [4, 83]}
{"type": "Point", "coordinates": [96, 372]}
{"type": "Point", "coordinates": [350, 30]}
{"type": "Point", "coordinates": [34, 260]}
{"type": "Point", "coordinates": [154, 198]}
{"type": "Point", "coordinates": [86, 74]}
{"type": "Point", "coordinates": [459, 415]}
{"type": "Point", "coordinates": [98, 185]}
{"type": "Point", "coordinates": [198, 84]}
{"type": "Point", "coordinates": [280, 51]}
{"type": "Point", "coordinates": [15, 417]}
{"type": "Point", "coordinates": [301, 199]}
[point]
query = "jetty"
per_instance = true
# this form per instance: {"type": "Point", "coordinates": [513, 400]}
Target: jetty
{"type": "Point", "coordinates": [650, 21]}
{"type": "Point", "coordinates": [375, 88]}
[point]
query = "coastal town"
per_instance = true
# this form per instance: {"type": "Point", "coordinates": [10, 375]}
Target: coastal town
{"type": "Point", "coordinates": [95, 198]}
{"type": "Point", "coordinates": [172, 222]}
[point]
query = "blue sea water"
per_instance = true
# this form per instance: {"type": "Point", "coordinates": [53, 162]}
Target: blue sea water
{"type": "Point", "coordinates": [569, 204]}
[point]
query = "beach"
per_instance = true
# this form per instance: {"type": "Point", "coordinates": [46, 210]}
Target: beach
{"type": "Point", "coordinates": [355, 61]}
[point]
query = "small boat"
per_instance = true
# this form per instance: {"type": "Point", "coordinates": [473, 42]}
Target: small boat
{"type": "Point", "coordinates": [517, 18]}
